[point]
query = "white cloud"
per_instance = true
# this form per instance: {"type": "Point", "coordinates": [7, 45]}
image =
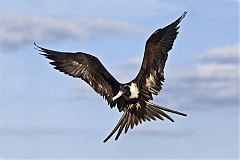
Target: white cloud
{"type": "Point", "coordinates": [228, 54]}
{"type": "Point", "coordinates": [18, 29]}
{"type": "Point", "coordinates": [212, 81]}
{"type": "Point", "coordinates": [209, 70]}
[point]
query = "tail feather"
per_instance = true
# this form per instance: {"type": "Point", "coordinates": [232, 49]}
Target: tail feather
{"type": "Point", "coordinates": [166, 115]}
{"type": "Point", "coordinates": [155, 112]}
{"type": "Point", "coordinates": [123, 124]}
{"type": "Point", "coordinates": [117, 126]}
{"type": "Point", "coordinates": [128, 123]}
{"type": "Point", "coordinates": [166, 109]}
{"type": "Point", "coordinates": [130, 119]}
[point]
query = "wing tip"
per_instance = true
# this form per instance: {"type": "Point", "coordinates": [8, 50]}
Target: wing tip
{"type": "Point", "coordinates": [183, 15]}
{"type": "Point", "coordinates": [40, 49]}
{"type": "Point", "coordinates": [36, 47]}
{"type": "Point", "coordinates": [181, 18]}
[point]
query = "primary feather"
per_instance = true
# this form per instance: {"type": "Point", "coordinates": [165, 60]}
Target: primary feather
{"type": "Point", "coordinates": [86, 67]}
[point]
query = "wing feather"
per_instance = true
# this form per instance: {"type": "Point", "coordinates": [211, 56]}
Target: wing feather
{"type": "Point", "coordinates": [151, 74]}
{"type": "Point", "coordinates": [86, 67]}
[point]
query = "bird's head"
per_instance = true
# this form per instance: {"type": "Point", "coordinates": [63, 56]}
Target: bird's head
{"type": "Point", "coordinates": [124, 90]}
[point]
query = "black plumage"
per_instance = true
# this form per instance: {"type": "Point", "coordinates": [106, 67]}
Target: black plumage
{"type": "Point", "coordinates": [132, 98]}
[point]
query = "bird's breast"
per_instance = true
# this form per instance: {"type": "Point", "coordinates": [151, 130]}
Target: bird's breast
{"type": "Point", "coordinates": [134, 91]}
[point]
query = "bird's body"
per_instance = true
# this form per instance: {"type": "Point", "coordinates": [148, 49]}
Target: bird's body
{"type": "Point", "coordinates": [132, 98]}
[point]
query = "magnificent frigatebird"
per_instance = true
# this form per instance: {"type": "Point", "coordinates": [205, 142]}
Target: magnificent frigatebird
{"type": "Point", "coordinates": [133, 98]}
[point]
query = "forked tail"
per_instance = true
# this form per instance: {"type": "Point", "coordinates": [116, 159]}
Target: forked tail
{"type": "Point", "coordinates": [151, 111]}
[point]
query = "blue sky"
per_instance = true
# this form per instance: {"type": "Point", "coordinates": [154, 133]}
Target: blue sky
{"type": "Point", "coordinates": [46, 114]}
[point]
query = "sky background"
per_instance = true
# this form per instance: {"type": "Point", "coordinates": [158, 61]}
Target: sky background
{"type": "Point", "coordinates": [46, 114]}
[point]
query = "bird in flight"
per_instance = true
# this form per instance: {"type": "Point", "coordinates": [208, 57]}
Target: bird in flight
{"type": "Point", "coordinates": [133, 98]}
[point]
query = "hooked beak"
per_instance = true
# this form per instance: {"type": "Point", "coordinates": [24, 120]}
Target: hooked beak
{"type": "Point", "coordinates": [120, 93]}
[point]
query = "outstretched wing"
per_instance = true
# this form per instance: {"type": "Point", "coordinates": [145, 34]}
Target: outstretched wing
{"type": "Point", "coordinates": [86, 67]}
{"type": "Point", "coordinates": [151, 74]}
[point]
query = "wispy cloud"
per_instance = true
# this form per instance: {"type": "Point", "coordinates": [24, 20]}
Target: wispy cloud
{"type": "Point", "coordinates": [39, 130]}
{"type": "Point", "coordinates": [18, 29]}
{"type": "Point", "coordinates": [228, 55]}
{"type": "Point", "coordinates": [83, 91]}
{"type": "Point", "coordinates": [212, 81]}
{"type": "Point", "coordinates": [164, 130]}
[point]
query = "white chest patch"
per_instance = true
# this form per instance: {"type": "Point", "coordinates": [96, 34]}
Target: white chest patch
{"type": "Point", "coordinates": [134, 90]}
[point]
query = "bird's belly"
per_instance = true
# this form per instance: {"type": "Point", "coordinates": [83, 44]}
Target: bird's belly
{"type": "Point", "coordinates": [133, 100]}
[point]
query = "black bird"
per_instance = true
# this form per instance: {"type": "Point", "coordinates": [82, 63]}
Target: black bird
{"type": "Point", "coordinates": [133, 98]}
